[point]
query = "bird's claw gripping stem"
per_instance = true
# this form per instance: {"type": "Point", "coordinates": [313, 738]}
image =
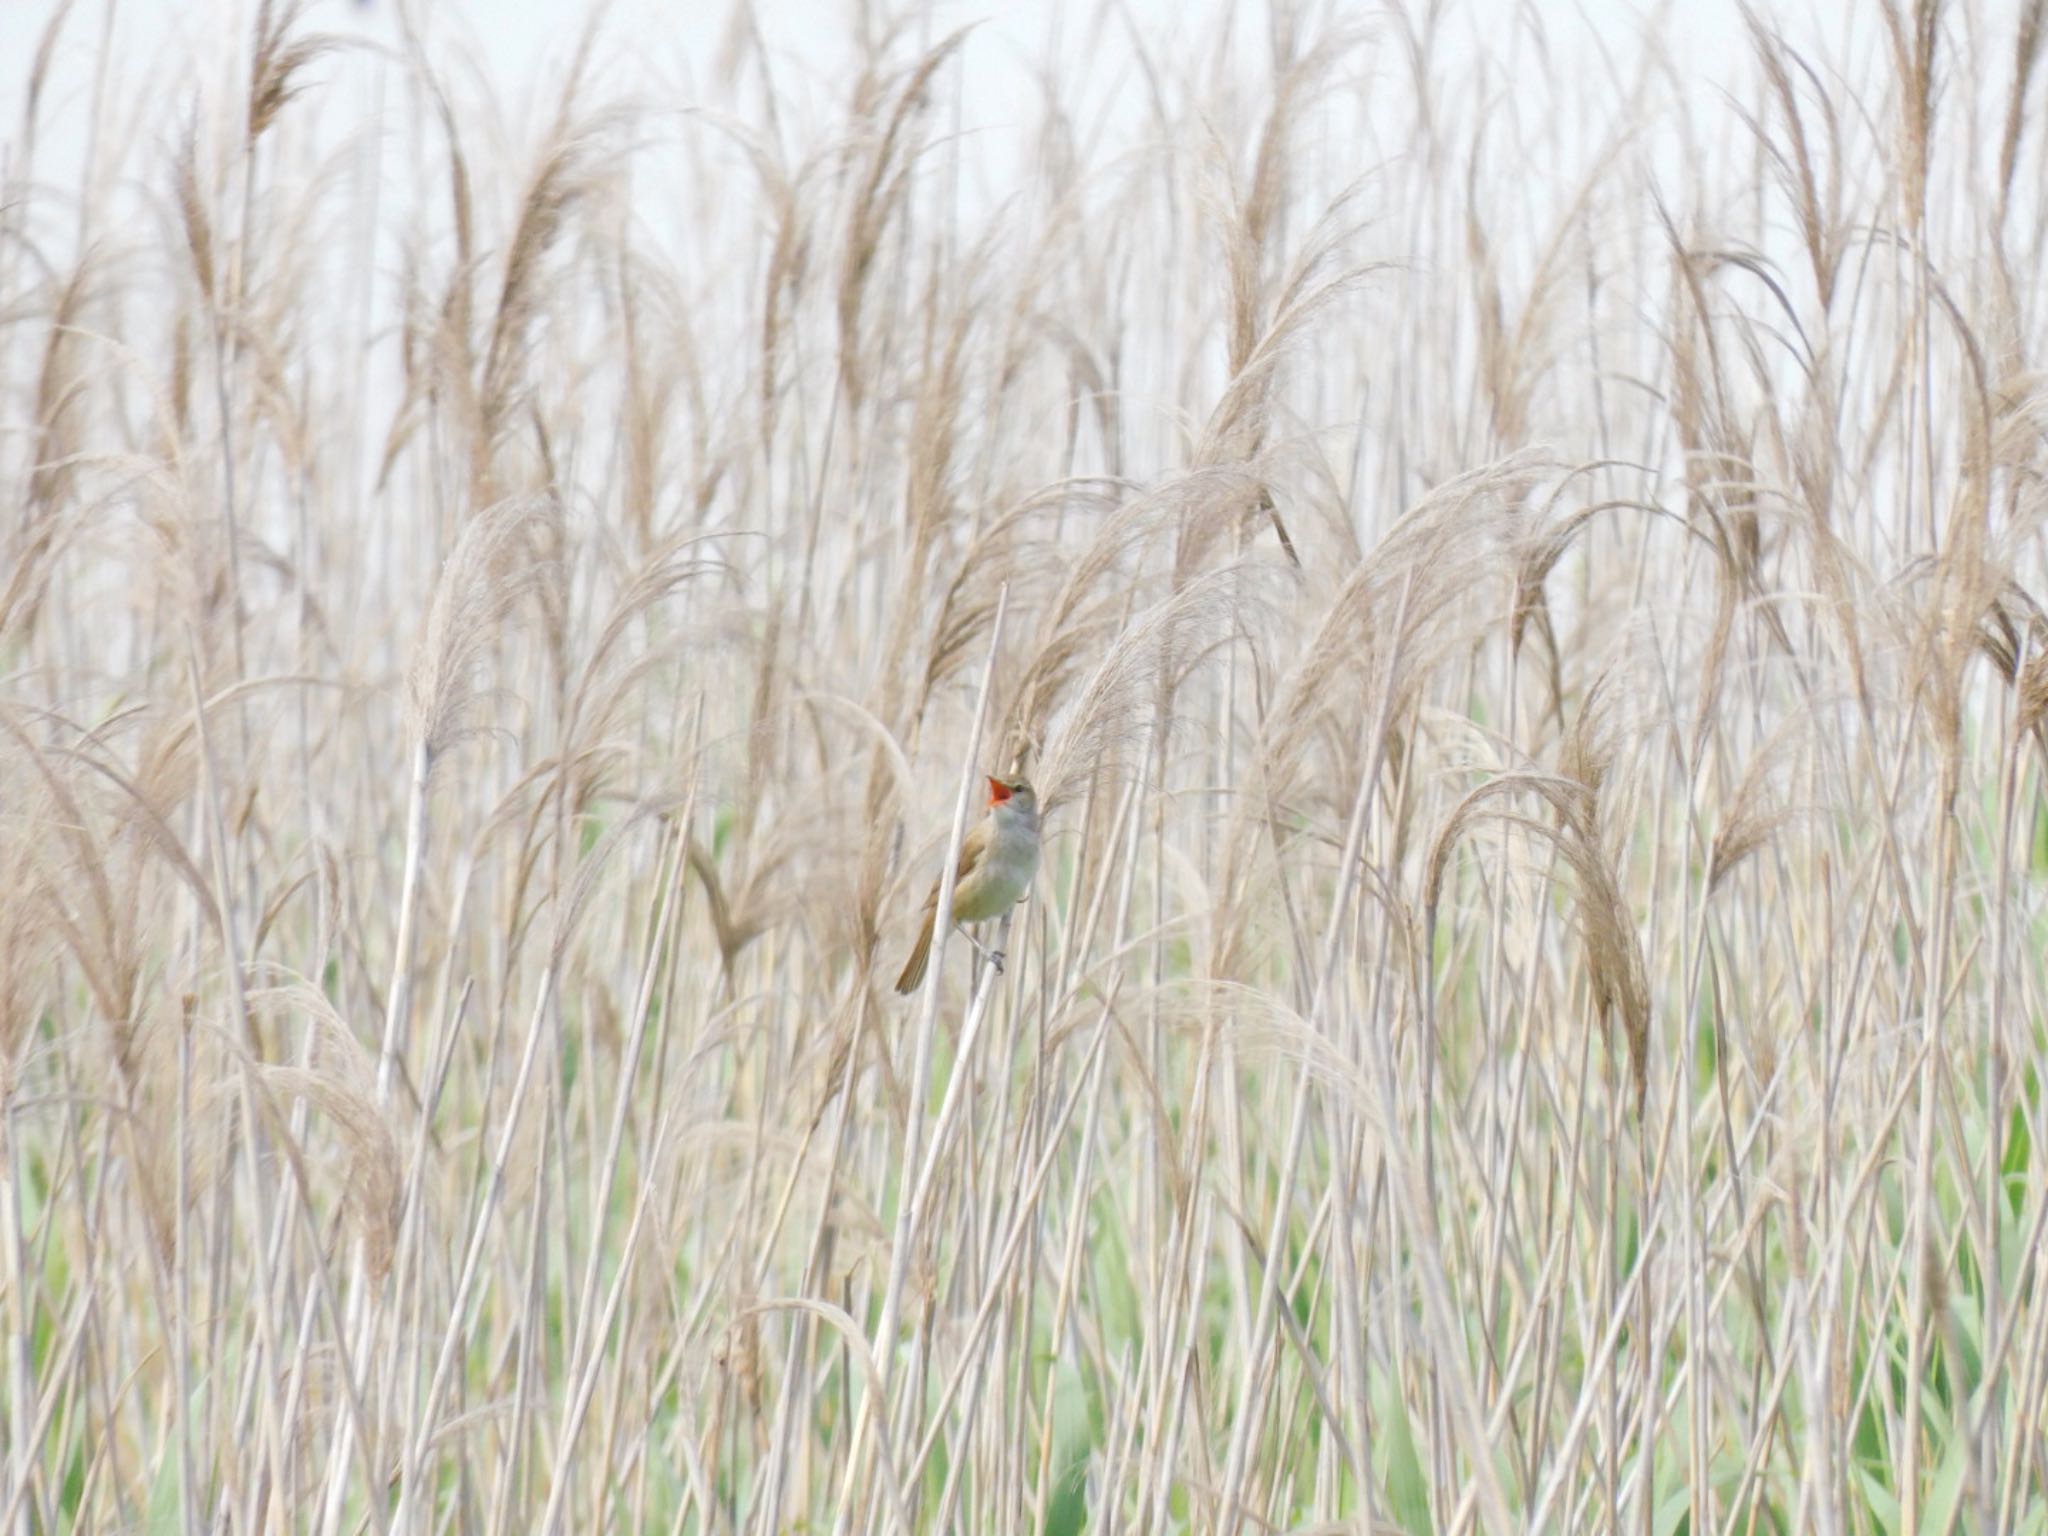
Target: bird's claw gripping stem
{"type": "Point", "coordinates": [993, 956]}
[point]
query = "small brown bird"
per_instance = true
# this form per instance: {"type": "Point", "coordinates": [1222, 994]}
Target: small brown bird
{"type": "Point", "coordinates": [998, 859]}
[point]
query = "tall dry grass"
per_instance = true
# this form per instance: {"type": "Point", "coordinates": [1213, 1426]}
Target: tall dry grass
{"type": "Point", "coordinates": [1517, 573]}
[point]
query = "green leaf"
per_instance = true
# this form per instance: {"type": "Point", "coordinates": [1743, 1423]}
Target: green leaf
{"type": "Point", "coordinates": [1118, 1299]}
{"type": "Point", "coordinates": [2019, 1148]}
{"type": "Point", "coordinates": [1948, 1485]}
{"type": "Point", "coordinates": [1877, 1498]}
{"type": "Point", "coordinates": [73, 1490]}
{"type": "Point", "coordinates": [165, 1513]}
{"type": "Point", "coordinates": [1406, 1490]}
{"type": "Point", "coordinates": [1674, 1512]}
{"type": "Point", "coordinates": [1066, 1512]}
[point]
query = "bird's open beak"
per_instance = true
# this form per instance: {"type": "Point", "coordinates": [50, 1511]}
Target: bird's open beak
{"type": "Point", "coordinates": [998, 791]}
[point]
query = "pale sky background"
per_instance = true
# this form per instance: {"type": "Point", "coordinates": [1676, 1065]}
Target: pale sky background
{"type": "Point", "coordinates": [519, 43]}
{"type": "Point", "coordinates": [1566, 64]}
{"type": "Point", "coordinates": [175, 57]}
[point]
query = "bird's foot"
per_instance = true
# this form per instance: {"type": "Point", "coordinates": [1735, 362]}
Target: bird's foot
{"type": "Point", "coordinates": [993, 956]}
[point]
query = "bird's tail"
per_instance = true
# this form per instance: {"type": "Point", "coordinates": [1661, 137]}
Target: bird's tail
{"type": "Point", "coordinates": [920, 955]}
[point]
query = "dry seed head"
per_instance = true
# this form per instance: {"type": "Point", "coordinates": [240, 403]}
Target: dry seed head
{"type": "Point", "coordinates": [1117, 704]}
{"type": "Point", "coordinates": [1104, 587]}
{"type": "Point", "coordinates": [198, 227]}
{"type": "Point", "coordinates": [882, 193]}
{"type": "Point", "coordinates": [61, 394]}
{"type": "Point", "coordinates": [567, 172]}
{"type": "Point", "coordinates": [276, 62]}
{"type": "Point", "coordinates": [1615, 968]}
{"type": "Point", "coordinates": [493, 567]}
{"type": "Point", "coordinates": [2031, 31]}
{"type": "Point", "coordinates": [1913, 44]}
{"type": "Point", "coordinates": [1402, 609]}
{"type": "Point", "coordinates": [1754, 812]}
{"type": "Point", "coordinates": [341, 1085]}
{"type": "Point", "coordinates": [2032, 711]}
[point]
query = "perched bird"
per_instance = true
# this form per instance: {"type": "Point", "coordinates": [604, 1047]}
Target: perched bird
{"type": "Point", "coordinates": [998, 859]}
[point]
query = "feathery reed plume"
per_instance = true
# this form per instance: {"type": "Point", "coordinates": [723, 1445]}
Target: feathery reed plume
{"type": "Point", "coordinates": [39, 77]}
{"type": "Point", "coordinates": [1253, 222]}
{"type": "Point", "coordinates": [78, 880]}
{"type": "Point", "coordinates": [59, 398]}
{"type": "Point", "coordinates": [1380, 637]}
{"type": "Point", "coordinates": [2030, 31]}
{"type": "Point", "coordinates": [276, 60]}
{"type": "Point", "coordinates": [492, 569]}
{"type": "Point", "coordinates": [603, 689]}
{"type": "Point", "coordinates": [1515, 355]}
{"type": "Point", "coordinates": [1615, 968]}
{"type": "Point", "coordinates": [1236, 428]}
{"type": "Point", "coordinates": [1250, 228]}
{"type": "Point", "coordinates": [194, 221]}
{"type": "Point", "coordinates": [782, 281]}
{"type": "Point", "coordinates": [1913, 45]}
{"type": "Point", "coordinates": [1393, 619]}
{"type": "Point", "coordinates": [438, 344]}
{"type": "Point", "coordinates": [26, 939]}
{"type": "Point", "coordinates": [1815, 202]}
{"type": "Point", "coordinates": [650, 389]}
{"type": "Point", "coordinates": [341, 1082]}
{"type": "Point", "coordinates": [60, 417]}
{"type": "Point", "coordinates": [150, 797]}
{"type": "Point", "coordinates": [996, 558]}
{"type": "Point", "coordinates": [1110, 709]}
{"type": "Point", "coordinates": [1756, 810]}
{"type": "Point", "coordinates": [1537, 550]}
{"type": "Point", "coordinates": [562, 176]}
{"type": "Point", "coordinates": [881, 192]}
{"type": "Point", "coordinates": [1094, 600]}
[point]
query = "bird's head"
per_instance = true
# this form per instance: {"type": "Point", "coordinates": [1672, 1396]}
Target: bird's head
{"type": "Point", "coordinates": [1013, 794]}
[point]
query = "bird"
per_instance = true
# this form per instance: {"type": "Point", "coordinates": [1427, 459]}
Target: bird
{"type": "Point", "coordinates": [998, 860]}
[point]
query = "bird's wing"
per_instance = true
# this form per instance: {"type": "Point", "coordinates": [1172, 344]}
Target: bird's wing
{"type": "Point", "coordinates": [971, 847]}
